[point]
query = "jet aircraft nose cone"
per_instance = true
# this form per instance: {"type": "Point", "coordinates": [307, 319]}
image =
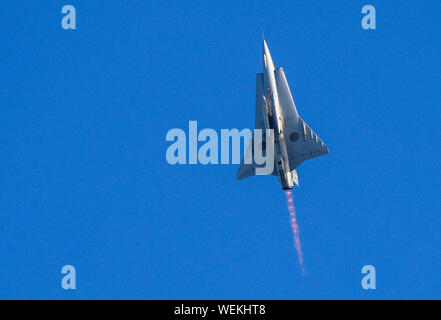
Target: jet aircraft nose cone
{"type": "Point", "coordinates": [264, 46]}
{"type": "Point", "coordinates": [268, 63]}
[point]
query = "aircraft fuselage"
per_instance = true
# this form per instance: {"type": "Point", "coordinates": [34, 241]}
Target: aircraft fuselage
{"type": "Point", "coordinates": [275, 120]}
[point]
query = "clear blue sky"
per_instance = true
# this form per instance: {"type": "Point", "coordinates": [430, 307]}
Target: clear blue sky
{"type": "Point", "coordinates": [84, 179]}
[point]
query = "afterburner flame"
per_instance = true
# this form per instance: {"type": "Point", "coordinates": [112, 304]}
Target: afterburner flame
{"type": "Point", "coordinates": [295, 229]}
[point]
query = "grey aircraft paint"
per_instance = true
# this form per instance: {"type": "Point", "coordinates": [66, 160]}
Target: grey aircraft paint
{"type": "Point", "coordinates": [294, 141]}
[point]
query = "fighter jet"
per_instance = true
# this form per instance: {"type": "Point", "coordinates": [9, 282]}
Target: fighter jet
{"type": "Point", "coordinates": [294, 140]}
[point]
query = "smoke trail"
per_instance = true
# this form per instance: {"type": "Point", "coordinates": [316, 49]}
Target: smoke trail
{"type": "Point", "coordinates": [295, 229]}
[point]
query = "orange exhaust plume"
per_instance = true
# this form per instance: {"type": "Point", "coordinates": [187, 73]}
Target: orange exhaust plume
{"type": "Point", "coordinates": [295, 229]}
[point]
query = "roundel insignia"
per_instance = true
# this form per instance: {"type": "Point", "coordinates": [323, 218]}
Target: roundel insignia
{"type": "Point", "coordinates": [294, 136]}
